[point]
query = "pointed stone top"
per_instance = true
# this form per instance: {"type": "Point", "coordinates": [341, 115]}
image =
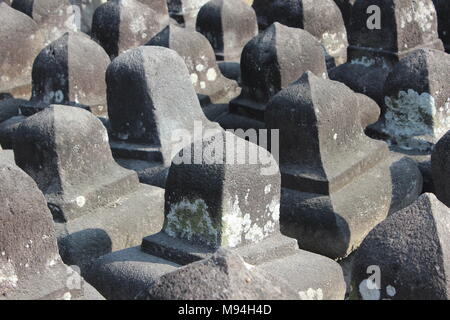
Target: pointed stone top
{"type": "Point", "coordinates": [20, 41]}
{"type": "Point", "coordinates": [200, 59]}
{"type": "Point", "coordinates": [66, 151]}
{"type": "Point", "coordinates": [151, 98]}
{"type": "Point", "coordinates": [321, 125]}
{"type": "Point", "coordinates": [70, 70]}
{"type": "Point", "coordinates": [220, 194]}
{"type": "Point", "coordinates": [54, 17]}
{"type": "Point", "coordinates": [224, 276]}
{"type": "Point", "coordinates": [27, 239]}
{"type": "Point", "coordinates": [321, 18]}
{"type": "Point", "coordinates": [275, 58]}
{"type": "Point", "coordinates": [228, 25]}
{"type": "Point", "coordinates": [120, 25]}
{"type": "Point", "coordinates": [413, 257]}
{"type": "Point", "coordinates": [397, 27]}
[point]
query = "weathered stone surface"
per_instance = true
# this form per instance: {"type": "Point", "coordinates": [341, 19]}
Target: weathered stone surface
{"type": "Point", "coordinates": [338, 183]}
{"type": "Point", "coordinates": [9, 108]}
{"type": "Point", "coordinates": [443, 12]}
{"type": "Point", "coordinates": [21, 42]}
{"type": "Point", "coordinates": [198, 55]}
{"type": "Point", "coordinates": [228, 25]}
{"type": "Point", "coordinates": [408, 253]}
{"type": "Point", "coordinates": [416, 111]}
{"type": "Point", "coordinates": [405, 26]}
{"type": "Point", "coordinates": [85, 10]}
{"type": "Point", "coordinates": [119, 25]}
{"type": "Point", "coordinates": [98, 206]}
{"type": "Point", "coordinates": [440, 160]}
{"type": "Point", "coordinates": [184, 12]}
{"type": "Point", "coordinates": [270, 62]}
{"type": "Point", "coordinates": [151, 105]}
{"type": "Point", "coordinates": [223, 276]}
{"type": "Point", "coordinates": [70, 71]}
{"type": "Point", "coordinates": [321, 18]}
{"type": "Point", "coordinates": [216, 202]}
{"type": "Point", "coordinates": [7, 129]}
{"type": "Point", "coordinates": [54, 17]}
{"type": "Point", "coordinates": [30, 265]}
{"type": "Point", "coordinates": [346, 9]}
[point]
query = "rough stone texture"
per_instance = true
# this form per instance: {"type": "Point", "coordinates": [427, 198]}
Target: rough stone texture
{"type": "Point", "coordinates": [338, 183]}
{"type": "Point", "coordinates": [21, 42]}
{"type": "Point", "coordinates": [405, 26]}
{"type": "Point", "coordinates": [152, 105]}
{"type": "Point", "coordinates": [71, 71]}
{"type": "Point", "coordinates": [440, 159]}
{"type": "Point", "coordinates": [416, 110]}
{"type": "Point", "coordinates": [86, 9]}
{"type": "Point", "coordinates": [346, 9]}
{"type": "Point", "coordinates": [232, 211]}
{"type": "Point", "coordinates": [224, 276]}
{"type": "Point", "coordinates": [9, 108]}
{"type": "Point", "coordinates": [270, 62]}
{"type": "Point", "coordinates": [95, 201]}
{"type": "Point", "coordinates": [411, 249]}
{"type": "Point", "coordinates": [54, 17]}
{"type": "Point", "coordinates": [321, 18]}
{"type": "Point", "coordinates": [119, 25]}
{"type": "Point", "coordinates": [240, 214]}
{"type": "Point", "coordinates": [184, 12]}
{"type": "Point", "coordinates": [443, 13]}
{"type": "Point", "coordinates": [7, 129]}
{"type": "Point", "coordinates": [30, 265]}
{"type": "Point", "coordinates": [198, 55]}
{"type": "Point", "coordinates": [228, 25]}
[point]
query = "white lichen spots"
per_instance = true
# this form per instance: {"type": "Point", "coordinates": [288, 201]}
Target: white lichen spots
{"type": "Point", "coordinates": [368, 293]}
{"type": "Point", "coordinates": [255, 234]}
{"type": "Point", "coordinates": [390, 291]}
{"type": "Point", "coordinates": [211, 75]}
{"type": "Point", "coordinates": [202, 84]}
{"type": "Point", "coordinates": [81, 201]}
{"type": "Point", "coordinates": [273, 209]}
{"type": "Point", "coordinates": [191, 220]}
{"type": "Point", "coordinates": [234, 224]}
{"type": "Point", "coordinates": [138, 24]}
{"type": "Point", "coordinates": [334, 43]}
{"type": "Point", "coordinates": [422, 13]}
{"type": "Point", "coordinates": [3, 253]}
{"type": "Point", "coordinates": [194, 78]}
{"type": "Point", "coordinates": [249, 266]}
{"type": "Point", "coordinates": [67, 296]}
{"type": "Point", "coordinates": [8, 277]}
{"type": "Point", "coordinates": [411, 114]}
{"type": "Point", "coordinates": [59, 96]}
{"type": "Point", "coordinates": [364, 61]}
{"type": "Point", "coordinates": [267, 189]}
{"type": "Point", "coordinates": [199, 67]}
{"type": "Point", "coordinates": [246, 196]}
{"type": "Point", "coordinates": [335, 136]}
{"type": "Point", "coordinates": [123, 135]}
{"type": "Point", "coordinates": [53, 262]}
{"type": "Point", "coordinates": [311, 294]}
{"type": "Point", "coordinates": [105, 137]}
